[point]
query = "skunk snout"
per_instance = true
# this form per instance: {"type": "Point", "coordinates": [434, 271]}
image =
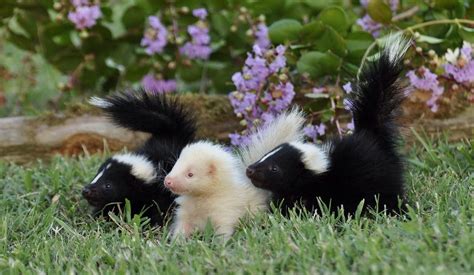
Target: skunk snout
{"type": "Point", "coordinates": [88, 192]}
{"type": "Point", "coordinates": [250, 172]}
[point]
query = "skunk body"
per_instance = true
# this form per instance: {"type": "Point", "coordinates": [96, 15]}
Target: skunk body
{"type": "Point", "coordinates": [137, 176]}
{"type": "Point", "coordinates": [211, 182]}
{"type": "Point", "coordinates": [362, 166]}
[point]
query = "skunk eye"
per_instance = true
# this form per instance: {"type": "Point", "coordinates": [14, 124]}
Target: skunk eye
{"type": "Point", "coordinates": [274, 169]}
{"type": "Point", "coordinates": [190, 175]}
{"type": "Point", "coordinates": [108, 186]}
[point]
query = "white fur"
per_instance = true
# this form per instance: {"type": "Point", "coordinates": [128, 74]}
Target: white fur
{"type": "Point", "coordinates": [225, 198]}
{"type": "Point", "coordinates": [142, 168]}
{"type": "Point", "coordinates": [397, 45]}
{"type": "Point", "coordinates": [98, 177]}
{"type": "Point", "coordinates": [285, 128]}
{"type": "Point", "coordinates": [314, 157]}
{"type": "Point", "coordinates": [99, 102]}
{"type": "Point", "coordinates": [221, 198]}
{"type": "Point", "coordinates": [269, 154]}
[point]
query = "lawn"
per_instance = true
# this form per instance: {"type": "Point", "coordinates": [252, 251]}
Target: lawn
{"type": "Point", "coordinates": [45, 227]}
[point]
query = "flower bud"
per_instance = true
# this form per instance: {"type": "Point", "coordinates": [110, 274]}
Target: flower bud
{"type": "Point", "coordinates": [431, 53]}
{"type": "Point", "coordinates": [184, 10]}
{"type": "Point", "coordinates": [419, 49]}
{"type": "Point", "coordinates": [172, 65]}
{"type": "Point", "coordinates": [249, 32]}
{"type": "Point", "coordinates": [243, 122]}
{"type": "Point", "coordinates": [83, 34]}
{"type": "Point", "coordinates": [233, 28]}
{"type": "Point", "coordinates": [243, 9]}
{"type": "Point", "coordinates": [57, 6]}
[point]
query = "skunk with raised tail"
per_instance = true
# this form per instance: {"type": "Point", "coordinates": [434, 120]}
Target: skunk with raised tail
{"type": "Point", "coordinates": [138, 176]}
{"type": "Point", "coordinates": [211, 181]}
{"type": "Point", "coordinates": [364, 166]}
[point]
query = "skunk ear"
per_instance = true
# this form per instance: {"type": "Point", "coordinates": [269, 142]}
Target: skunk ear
{"type": "Point", "coordinates": [99, 102]}
{"type": "Point", "coordinates": [212, 168]}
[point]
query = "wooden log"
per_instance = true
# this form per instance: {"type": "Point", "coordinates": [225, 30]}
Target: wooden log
{"type": "Point", "coordinates": [24, 139]}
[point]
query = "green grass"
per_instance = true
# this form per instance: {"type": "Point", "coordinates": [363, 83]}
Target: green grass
{"type": "Point", "coordinates": [44, 227]}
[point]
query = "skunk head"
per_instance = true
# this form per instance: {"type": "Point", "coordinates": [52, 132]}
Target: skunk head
{"type": "Point", "coordinates": [201, 166]}
{"type": "Point", "coordinates": [120, 177]}
{"type": "Point", "coordinates": [279, 169]}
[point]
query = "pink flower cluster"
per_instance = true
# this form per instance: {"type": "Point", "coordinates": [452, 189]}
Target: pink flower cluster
{"type": "Point", "coordinates": [84, 15]}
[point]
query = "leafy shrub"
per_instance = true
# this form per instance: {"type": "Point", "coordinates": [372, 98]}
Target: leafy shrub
{"type": "Point", "coordinates": [307, 47]}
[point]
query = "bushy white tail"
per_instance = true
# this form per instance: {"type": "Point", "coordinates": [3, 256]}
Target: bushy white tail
{"type": "Point", "coordinates": [287, 127]}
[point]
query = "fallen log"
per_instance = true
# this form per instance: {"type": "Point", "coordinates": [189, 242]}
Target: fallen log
{"type": "Point", "coordinates": [24, 139]}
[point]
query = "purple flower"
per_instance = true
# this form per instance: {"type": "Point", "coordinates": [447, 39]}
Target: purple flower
{"type": "Point", "coordinates": [155, 37]}
{"type": "Point", "coordinates": [280, 59]}
{"type": "Point", "coordinates": [313, 131]}
{"type": "Point", "coordinates": [427, 81]}
{"type": "Point", "coordinates": [261, 36]}
{"type": "Point", "coordinates": [319, 90]}
{"type": "Point", "coordinates": [369, 25]}
{"type": "Point", "coordinates": [460, 64]}
{"type": "Point", "coordinates": [150, 83]}
{"type": "Point", "coordinates": [78, 3]}
{"type": "Point", "coordinates": [85, 16]}
{"type": "Point", "coordinates": [199, 46]}
{"type": "Point", "coordinates": [347, 88]}
{"type": "Point", "coordinates": [350, 125]}
{"type": "Point", "coordinates": [253, 82]}
{"type": "Point", "coordinates": [200, 13]}
{"type": "Point", "coordinates": [239, 140]}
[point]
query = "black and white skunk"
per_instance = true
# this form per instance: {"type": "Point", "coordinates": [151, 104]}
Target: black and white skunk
{"type": "Point", "coordinates": [211, 181]}
{"type": "Point", "coordinates": [138, 176]}
{"type": "Point", "coordinates": [362, 166]}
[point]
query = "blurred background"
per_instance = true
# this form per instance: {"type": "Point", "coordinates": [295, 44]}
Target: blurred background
{"type": "Point", "coordinates": [259, 56]}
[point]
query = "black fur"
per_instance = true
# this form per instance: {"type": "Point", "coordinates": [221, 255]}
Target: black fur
{"type": "Point", "coordinates": [362, 166]}
{"type": "Point", "coordinates": [171, 128]}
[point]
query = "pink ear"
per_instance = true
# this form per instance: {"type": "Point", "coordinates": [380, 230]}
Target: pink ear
{"type": "Point", "coordinates": [212, 168]}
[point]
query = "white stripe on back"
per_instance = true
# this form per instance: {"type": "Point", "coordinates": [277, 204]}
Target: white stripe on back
{"type": "Point", "coordinates": [270, 154]}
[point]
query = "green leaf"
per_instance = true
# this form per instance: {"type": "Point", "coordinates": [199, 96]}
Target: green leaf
{"type": "Point", "coordinates": [312, 31]}
{"type": "Point", "coordinates": [6, 11]}
{"type": "Point", "coordinates": [467, 33]}
{"type": "Point", "coordinates": [321, 4]}
{"type": "Point", "coordinates": [445, 4]}
{"type": "Point", "coordinates": [332, 41]}
{"type": "Point", "coordinates": [20, 41]}
{"type": "Point", "coordinates": [357, 43]}
{"type": "Point", "coordinates": [284, 30]}
{"type": "Point", "coordinates": [220, 23]}
{"type": "Point", "coordinates": [379, 11]}
{"type": "Point", "coordinates": [335, 17]}
{"type": "Point", "coordinates": [315, 96]}
{"type": "Point", "coordinates": [318, 64]}
{"type": "Point", "coordinates": [429, 39]}
{"type": "Point", "coordinates": [133, 17]}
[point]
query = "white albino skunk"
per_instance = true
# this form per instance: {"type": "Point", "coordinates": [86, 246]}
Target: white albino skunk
{"type": "Point", "coordinates": [211, 181]}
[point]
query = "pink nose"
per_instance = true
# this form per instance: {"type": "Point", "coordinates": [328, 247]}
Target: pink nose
{"type": "Point", "coordinates": [168, 181]}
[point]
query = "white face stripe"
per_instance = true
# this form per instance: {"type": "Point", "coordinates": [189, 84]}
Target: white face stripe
{"type": "Point", "coordinates": [270, 154]}
{"type": "Point", "coordinates": [98, 176]}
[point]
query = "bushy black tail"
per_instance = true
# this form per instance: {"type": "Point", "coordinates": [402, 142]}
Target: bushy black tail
{"type": "Point", "coordinates": [378, 95]}
{"type": "Point", "coordinates": [156, 114]}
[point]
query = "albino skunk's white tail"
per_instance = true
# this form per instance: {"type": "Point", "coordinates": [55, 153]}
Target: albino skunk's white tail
{"type": "Point", "coordinates": [287, 127]}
